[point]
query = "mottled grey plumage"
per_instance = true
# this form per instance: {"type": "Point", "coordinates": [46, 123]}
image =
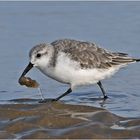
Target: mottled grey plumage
{"type": "Point", "coordinates": [37, 48]}
{"type": "Point", "coordinates": [89, 55]}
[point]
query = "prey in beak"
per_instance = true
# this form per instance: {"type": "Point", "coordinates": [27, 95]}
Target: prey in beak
{"type": "Point", "coordinates": [26, 80]}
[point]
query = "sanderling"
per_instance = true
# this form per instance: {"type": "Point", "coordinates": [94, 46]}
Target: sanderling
{"type": "Point", "coordinates": [76, 63]}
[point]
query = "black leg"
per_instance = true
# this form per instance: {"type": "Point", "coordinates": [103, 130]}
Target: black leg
{"type": "Point", "coordinates": [64, 94]}
{"type": "Point", "coordinates": [102, 89]}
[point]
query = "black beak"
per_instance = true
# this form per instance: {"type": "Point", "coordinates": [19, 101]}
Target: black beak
{"type": "Point", "coordinates": [30, 65]}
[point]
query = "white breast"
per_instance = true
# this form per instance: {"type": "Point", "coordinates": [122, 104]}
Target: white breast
{"type": "Point", "coordinates": [68, 71]}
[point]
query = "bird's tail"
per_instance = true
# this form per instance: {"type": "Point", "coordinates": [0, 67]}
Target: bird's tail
{"type": "Point", "coordinates": [122, 58]}
{"type": "Point", "coordinates": [137, 60]}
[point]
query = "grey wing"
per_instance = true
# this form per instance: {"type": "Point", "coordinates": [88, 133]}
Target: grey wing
{"type": "Point", "coordinates": [89, 55]}
{"type": "Point", "coordinates": [96, 57]}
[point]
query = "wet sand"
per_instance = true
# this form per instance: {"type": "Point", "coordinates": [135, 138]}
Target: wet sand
{"type": "Point", "coordinates": [59, 120]}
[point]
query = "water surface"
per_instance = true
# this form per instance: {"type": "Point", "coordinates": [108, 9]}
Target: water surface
{"type": "Point", "coordinates": [112, 25]}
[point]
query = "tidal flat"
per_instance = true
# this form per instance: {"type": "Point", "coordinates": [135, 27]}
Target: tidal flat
{"type": "Point", "coordinates": [59, 120]}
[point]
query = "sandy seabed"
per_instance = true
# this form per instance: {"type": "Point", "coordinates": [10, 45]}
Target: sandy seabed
{"type": "Point", "coordinates": [58, 120]}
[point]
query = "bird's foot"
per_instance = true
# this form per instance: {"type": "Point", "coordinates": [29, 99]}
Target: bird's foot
{"type": "Point", "coordinates": [47, 100]}
{"type": "Point", "coordinates": [105, 97]}
{"type": "Point", "coordinates": [54, 100]}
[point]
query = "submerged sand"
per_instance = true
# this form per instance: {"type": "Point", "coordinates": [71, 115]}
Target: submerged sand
{"type": "Point", "coordinates": [59, 120]}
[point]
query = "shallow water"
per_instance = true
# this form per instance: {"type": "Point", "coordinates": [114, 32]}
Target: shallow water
{"type": "Point", "coordinates": [58, 120]}
{"type": "Point", "coordinates": [112, 25]}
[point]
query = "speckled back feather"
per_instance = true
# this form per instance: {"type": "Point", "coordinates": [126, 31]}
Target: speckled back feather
{"type": "Point", "coordinates": [89, 55]}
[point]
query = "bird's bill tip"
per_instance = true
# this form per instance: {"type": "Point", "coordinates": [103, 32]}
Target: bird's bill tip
{"type": "Point", "coordinates": [29, 67]}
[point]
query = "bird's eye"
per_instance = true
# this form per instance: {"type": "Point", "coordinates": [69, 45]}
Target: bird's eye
{"type": "Point", "coordinates": [38, 55]}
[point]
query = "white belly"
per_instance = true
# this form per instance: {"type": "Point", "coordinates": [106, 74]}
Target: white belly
{"type": "Point", "coordinates": [67, 71]}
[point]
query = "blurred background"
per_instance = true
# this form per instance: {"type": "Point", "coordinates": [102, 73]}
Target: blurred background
{"type": "Point", "coordinates": [112, 25]}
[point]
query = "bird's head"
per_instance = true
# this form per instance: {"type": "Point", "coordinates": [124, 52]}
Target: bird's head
{"type": "Point", "coordinates": [39, 57]}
